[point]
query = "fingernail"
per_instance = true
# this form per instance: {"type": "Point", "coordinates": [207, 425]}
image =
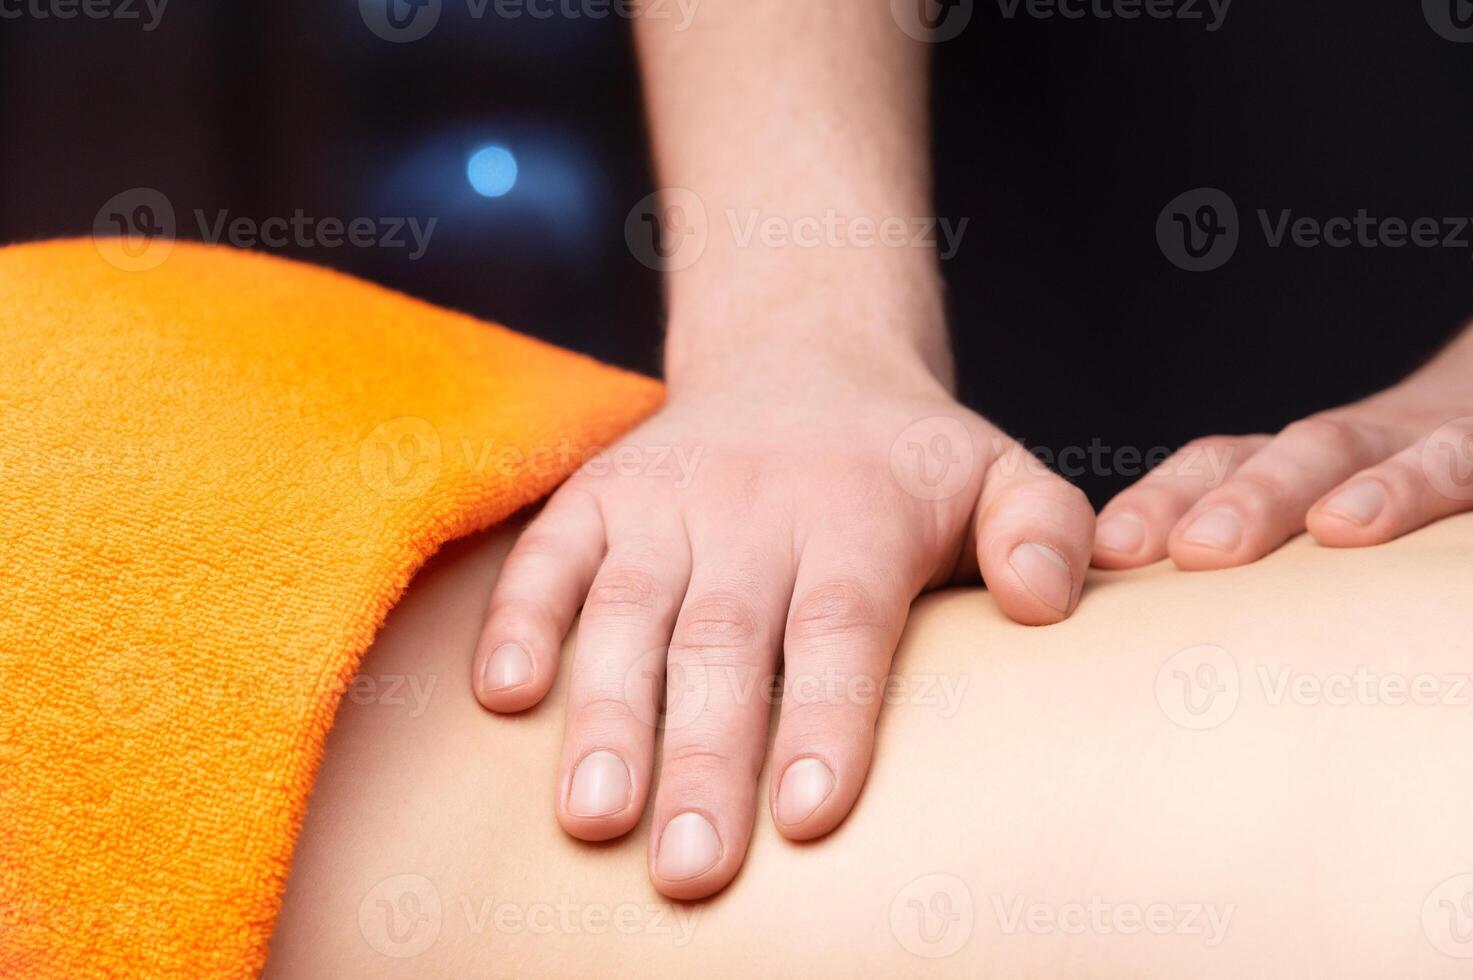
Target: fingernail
{"type": "Point", "coordinates": [1045, 572]}
{"type": "Point", "coordinates": [805, 785]}
{"type": "Point", "coordinates": [600, 786]}
{"type": "Point", "coordinates": [507, 667]}
{"type": "Point", "coordinates": [1123, 532]}
{"type": "Point", "coordinates": [688, 847]}
{"type": "Point", "coordinates": [1359, 503]}
{"type": "Point", "coordinates": [1219, 528]}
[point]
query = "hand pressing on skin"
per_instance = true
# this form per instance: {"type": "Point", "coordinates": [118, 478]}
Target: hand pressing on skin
{"type": "Point", "coordinates": [791, 524]}
{"type": "Point", "coordinates": [1354, 476]}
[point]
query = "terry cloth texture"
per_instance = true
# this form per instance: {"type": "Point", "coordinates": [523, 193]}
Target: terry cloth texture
{"type": "Point", "coordinates": [217, 475]}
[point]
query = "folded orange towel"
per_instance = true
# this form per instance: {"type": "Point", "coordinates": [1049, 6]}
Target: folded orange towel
{"type": "Point", "coordinates": [216, 477]}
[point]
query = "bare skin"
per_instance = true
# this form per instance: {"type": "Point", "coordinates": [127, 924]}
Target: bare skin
{"type": "Point", "coordinates": [1354, 476]}
{"type": "Point", "coordinates": [832, 476]}
{"type": "Point", "coordinates": [835, 477]}
{"type": "Point", "coordinates": [1261, 772]}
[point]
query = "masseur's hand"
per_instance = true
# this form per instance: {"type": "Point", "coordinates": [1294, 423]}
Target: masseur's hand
{"type": "Point", "coordinates": [761, 519]}
{"type": "Point", "coordinates": [1353, 476]}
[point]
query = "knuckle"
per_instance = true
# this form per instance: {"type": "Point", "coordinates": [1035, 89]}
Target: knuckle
{"type": "Point", "coordinates": [1203, 443]}
{"type": "Point", "coordinates": [1204, 461]}
{"type": "Point", "coordinates": [1195, 458]}
{"type": "Point", "coordinates": [624, 589]}
{"type": "Point", "coordinates": [1046, 492]}
{"type": "Point", "coordinates": [821, 721]}
{"type": "Point", "coordinates": [698, 757]}
{"type": "Point", "coordinates": [835, 608]}
{"type": "Point", "coordinates": [716, 621]}
{"type": "Point", "coordinates": [603, 716]}
{"type": "Point", "coordinates": [518, 616]}
{"type": "Point", "coordinates": [529, 564]}
{"type": "Point", "coordinates": [1071, 497]}
{"type": "Point", "coordinates": [1149, 498]}
{"type": "Point", "coordinates": [538, 542]}
{"type": "Point", "coordinates": [705, 764]}
{"type": "Point", "coordinates": [1263, 488]}
{"type": "Point", "coordinates": [1324, 435]}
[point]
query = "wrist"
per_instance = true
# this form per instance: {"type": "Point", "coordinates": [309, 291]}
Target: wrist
{"type": "Point", "coordinates": [772, 364]}
{"type": "Point", "coordinates": [808, 323]}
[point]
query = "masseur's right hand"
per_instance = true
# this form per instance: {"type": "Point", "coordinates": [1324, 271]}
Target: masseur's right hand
{"type": "Point", "coordinates": [776, 514]}
{"type": "Point", "coordinates": [810, 473]}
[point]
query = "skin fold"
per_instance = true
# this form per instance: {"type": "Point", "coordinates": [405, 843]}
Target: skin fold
{"type": "Point", "coordinates": [1260, 771]}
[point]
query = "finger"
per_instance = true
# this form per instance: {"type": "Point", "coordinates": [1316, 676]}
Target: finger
{"type": "Point", "coordinates": [1034, 533]}
{"type": "Point", "coordinates": [1265, 502]}
{"type": "Point", "coordinates": [722, 659]}
{"type": "Point", "coordinates": [1423, 483]}
{"type": "Point", "coordinates": [533, 603]}
{"type": "Point", "coordinates": [1133, 527]}
{"type": "Point", "coordinates": [617, 675]}
{"type": "Point", "coordinates": [846, 617]}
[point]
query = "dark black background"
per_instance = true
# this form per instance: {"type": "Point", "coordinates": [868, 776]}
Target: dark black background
{"type": "Point", "coordinates": [1061, 140]}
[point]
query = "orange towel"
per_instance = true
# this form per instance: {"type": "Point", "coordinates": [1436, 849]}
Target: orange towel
{"type": "Point", "coordinates": [216, 477]}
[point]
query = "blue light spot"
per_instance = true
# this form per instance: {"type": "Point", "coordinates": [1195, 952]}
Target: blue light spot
{"type": "Point", "coordinates": [492, 171]}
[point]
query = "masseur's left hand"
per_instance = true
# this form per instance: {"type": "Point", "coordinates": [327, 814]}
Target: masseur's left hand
{"type": "Point", "coordinates": [1353, 476]}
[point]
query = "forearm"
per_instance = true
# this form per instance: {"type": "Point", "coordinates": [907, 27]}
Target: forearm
{"type": "Point", "coordinates": [801, 129]}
